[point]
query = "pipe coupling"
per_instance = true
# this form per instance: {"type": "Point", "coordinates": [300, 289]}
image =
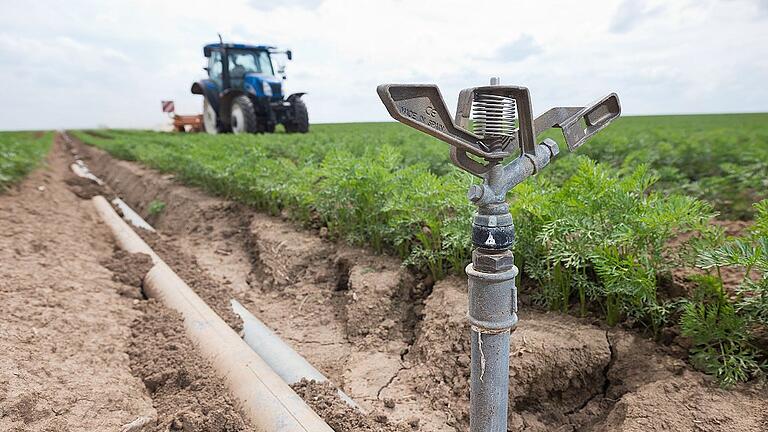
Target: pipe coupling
{"type": "Point", "coordinates": [492, 300]}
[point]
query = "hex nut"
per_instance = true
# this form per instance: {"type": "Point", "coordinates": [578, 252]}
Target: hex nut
{"type": "Point", "coordinates": [492, 263]}
{"type": "Point", "coordinates": [554, 149]}
{"type": "Point", "coordinates": [475, 193]}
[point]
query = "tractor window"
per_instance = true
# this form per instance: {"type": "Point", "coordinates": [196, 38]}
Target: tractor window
{"type": "Point", "coordinates": [265, 63]}
{"type": "Point", "coordinates": [214, 67]}
{"type": "Point", "coordinates": [242, 62]}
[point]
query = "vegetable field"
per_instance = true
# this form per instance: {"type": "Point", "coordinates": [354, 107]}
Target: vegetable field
{"type": "Point", "coordinates": [632, 229]}
{"type": "Point", "coordinates": [20, 152]}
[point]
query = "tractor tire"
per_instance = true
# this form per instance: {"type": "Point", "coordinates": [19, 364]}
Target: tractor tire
{"type": "Point", "coordinates": [211, 123]}
{"type": "Point", "coordinates": [243, 116]}
{"type": "Point", "coordinates": [300, 121]}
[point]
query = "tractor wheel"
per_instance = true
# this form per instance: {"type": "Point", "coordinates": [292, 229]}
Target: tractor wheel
{"type": "Point", "coordinates": [243, 116]}
{"type": "Point", "coordinates": [300, 122]}
{"type": "Point", "coordinates": [210, 119]}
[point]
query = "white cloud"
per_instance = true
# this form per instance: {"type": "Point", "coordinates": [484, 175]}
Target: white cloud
{"type": "Point", "coordinates": [85, 62]}
{"type": "Point", "coordinates": [632, 13]}
{"type": "Point", "coordinates": [519, 49]}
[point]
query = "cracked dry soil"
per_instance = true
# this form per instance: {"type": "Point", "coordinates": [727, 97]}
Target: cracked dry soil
{"type": "Point", "coordinates": [398, 344]}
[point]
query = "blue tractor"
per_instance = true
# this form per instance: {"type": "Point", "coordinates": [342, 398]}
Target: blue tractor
{"type": "Point", "coordinates": [242, 93]}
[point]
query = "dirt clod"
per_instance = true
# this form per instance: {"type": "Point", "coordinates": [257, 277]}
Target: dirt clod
{"type": "Point", "coordinates": [129, 269]}
{"type": "Point", "coordinates": [324, 399]}
{"type": "Point", "coordinates": [185, 390]}
{"type": "Point", "coordinates": [84, 188]}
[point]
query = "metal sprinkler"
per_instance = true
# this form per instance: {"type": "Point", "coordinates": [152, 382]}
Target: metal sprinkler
{"type": "Point", "coordinates": [503, 128]}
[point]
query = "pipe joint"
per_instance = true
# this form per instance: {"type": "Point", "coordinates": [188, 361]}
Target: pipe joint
{"type": "Point", "coordinates": [492, 300]}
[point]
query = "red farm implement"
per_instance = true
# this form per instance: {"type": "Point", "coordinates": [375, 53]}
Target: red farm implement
{"type": "Point", "coordinates": [183, 123]}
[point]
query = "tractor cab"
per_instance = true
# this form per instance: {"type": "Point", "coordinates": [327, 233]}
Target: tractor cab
{"type": "Point", "coordinates": [243, 94]}
{"type": "Point", "coordinates": [243, 66]}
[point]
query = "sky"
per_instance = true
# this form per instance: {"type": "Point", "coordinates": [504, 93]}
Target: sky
{"type": "Point", "coordinates": [96, 63]}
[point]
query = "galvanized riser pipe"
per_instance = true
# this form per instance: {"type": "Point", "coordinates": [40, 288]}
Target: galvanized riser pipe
{"type": "Point", "coordinates": [492, 317]}
{"type": "Point", "coordinates": [489, 394]}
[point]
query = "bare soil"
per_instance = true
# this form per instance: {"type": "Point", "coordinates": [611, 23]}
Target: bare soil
{"type": "Point", "coordinates": [398, 344]}
{"type": "Point", "coordinates": [185, 390]}
{"type": "Point", "coordinates": [64, 330]}
{"type": "Point", "coordinates": [322, 397]}
{"type": "Point", "coordinates": [129, 269]}
{"type": "Point", "coordinates": [82, 349]}
{"type": "Point", "coordinates": [183, 386]}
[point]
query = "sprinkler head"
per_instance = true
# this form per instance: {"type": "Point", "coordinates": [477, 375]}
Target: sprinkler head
{"type": "Point", "coordinates": [502, 126]}
{"type": "Point", "coordinates": [502, 119]}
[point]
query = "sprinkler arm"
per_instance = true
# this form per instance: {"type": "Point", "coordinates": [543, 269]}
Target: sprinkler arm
{"type": "Point", "coordinates": [596, 116]}
{"type": "Point", "coordinates": [422, 107]}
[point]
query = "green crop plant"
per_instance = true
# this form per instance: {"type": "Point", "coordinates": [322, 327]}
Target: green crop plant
{"type": "Point", "coordinates": [371, 194]}
{"type": "Point", "coordinates": [432, 214]}
{"type": "Point", "coordinates": [722, 159]}
{"type": "Point", "coordinates": [352, 193]}
{"type": "Point", "coordinates": [749, 254]}
{"type": "Point", "coordinates": [721, 341]}
{"type": "Point", "coordinates": [155, 207]}
{"type": "Point", "coordinates": [20, 152]}
{"type": "Point", "coordinates": [602, 236]}
{"type": "Point", "coordinates": [724, 326]}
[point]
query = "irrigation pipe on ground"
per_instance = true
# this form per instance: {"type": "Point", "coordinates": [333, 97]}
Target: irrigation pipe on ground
{"type": "Point", "coordinates": [263, 396]}
{"type": "Point", "coordinates": [289, 364]}
{"type": "Point", "coordinates": [283, 359]}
